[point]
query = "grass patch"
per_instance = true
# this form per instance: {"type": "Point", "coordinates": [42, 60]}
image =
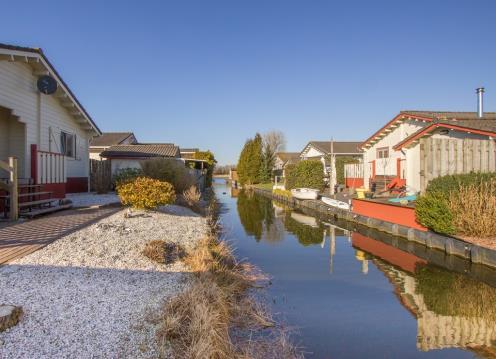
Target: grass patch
{"type": "Point", "coordinates": [163, 252]}
{"type": "Point", "coordinates": [217, 316]}
{"type": "Point", "coordinates": [266, 186]}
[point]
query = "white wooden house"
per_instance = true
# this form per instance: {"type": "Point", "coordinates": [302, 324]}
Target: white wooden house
{"type": "Point", "coordinates": [417, 146]}
{"type": "Point", "coordinates": [48, 133]}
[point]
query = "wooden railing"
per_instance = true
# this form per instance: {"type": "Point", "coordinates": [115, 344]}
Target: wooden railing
{"type": "Point", "coordinates": [353, 170]}
{"type": "Point", "coordinates": [11, 187]}
{"type": "Point", "coordinates": [48, 167]}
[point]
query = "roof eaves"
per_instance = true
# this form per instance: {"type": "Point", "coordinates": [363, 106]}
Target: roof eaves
{"type": "Point", "coordinates": [51, 69]}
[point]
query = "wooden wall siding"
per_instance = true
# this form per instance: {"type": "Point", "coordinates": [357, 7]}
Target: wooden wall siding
{"type": "Point", "coordinates": [19, 94]}
{"type": "Point", "coordinates": [440, 157]}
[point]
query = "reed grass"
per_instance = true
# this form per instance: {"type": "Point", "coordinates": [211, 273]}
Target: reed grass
{"type": "Point", "coordinates": [474, 209]}
{"type": "Point", "coordinates": [216, 316]}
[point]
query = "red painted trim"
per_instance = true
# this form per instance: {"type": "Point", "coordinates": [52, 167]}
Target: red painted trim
{"type": "Point", "coordinates": [58, 189]}
{"type": "Point", "coordinates": [77, 184]}
{"type": "Point", "coordinates": [398, 117]}
{"type": "Point", "coordinates": [398, 168]}
{"type": "Point", "coordinates": [353, 182]}
{"type": "Point", "coordinates": [390, 254]}
{"type": "Point", "coordinates": [434, 126]}
{"type": "Point", "coordinates": [34, 163]}
{"type": "Point", "coordinates": [387, 212]}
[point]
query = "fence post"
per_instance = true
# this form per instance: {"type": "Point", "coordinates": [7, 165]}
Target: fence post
{"type": "Point", "coordinates": [34, 163]}
{"type": "Point", "coordinates": [14, 199]}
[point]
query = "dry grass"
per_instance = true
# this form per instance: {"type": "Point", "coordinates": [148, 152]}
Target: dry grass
{"type": "Point", "coordinates": [474, 209]}
{"type": "Point", "coordinates": [192, 196]}
{"type": "Point", "coordinates": [163, 252]}
{"type": "Point", "coordinates": [216, 317]}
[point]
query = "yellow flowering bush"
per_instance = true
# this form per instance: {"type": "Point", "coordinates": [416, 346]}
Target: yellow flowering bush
{"type": "Point", "coordinates": [146, 193]}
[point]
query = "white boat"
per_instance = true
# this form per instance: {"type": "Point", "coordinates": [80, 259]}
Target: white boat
{"type": "Point", "coordinates": [304, 219]}
{"type": "Point", "coordinates": [335, 203]}
{"type": "Point", "coordinates": [305, 193]}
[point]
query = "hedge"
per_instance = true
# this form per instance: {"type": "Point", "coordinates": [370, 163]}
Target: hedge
{"type": "Point", "coordinates": [433, 208]}
{"type": "Point", "coordinates": [305, 174]}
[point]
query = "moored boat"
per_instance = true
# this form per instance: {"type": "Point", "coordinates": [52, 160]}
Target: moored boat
{"type": "Point", "coordinates": [335, 203]}
{"type": "Point", "coordinates": [304, 219]}
{"type": "Point", "coordinates": [305, 193]}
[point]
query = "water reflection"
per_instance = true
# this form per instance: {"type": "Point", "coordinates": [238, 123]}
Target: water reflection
{"type": "Point", "coordinates": [451, 310]}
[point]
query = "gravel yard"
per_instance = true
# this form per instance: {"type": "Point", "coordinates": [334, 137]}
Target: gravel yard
{"type": "Point", "coordinates": [92, 199]}
{"type": "Point", "coordinates": [89, 294]}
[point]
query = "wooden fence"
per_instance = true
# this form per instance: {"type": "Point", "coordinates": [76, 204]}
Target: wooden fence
{"type": "Point", "coordinates": [439, 157]}
{"type": "Point", "coordinates": [52, 167]}
{"type": "Point", "coordinates": [100, 176]}
{"type": "Point", "coordinates": [353, 170]}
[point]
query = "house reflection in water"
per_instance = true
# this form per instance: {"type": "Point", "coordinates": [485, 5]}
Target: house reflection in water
{"type": "Point", "coordinates": [452, 310]}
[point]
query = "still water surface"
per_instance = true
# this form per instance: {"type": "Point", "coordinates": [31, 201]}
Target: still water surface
{"type": "Point", "coordinates": [351, 296]}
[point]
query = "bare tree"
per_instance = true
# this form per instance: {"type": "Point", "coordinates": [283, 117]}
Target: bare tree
{"type": "Point", "coordinates": [272, 142]}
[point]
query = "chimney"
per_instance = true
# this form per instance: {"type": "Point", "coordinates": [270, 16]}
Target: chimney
{"type": "Point", "coordinates": [480, 102]}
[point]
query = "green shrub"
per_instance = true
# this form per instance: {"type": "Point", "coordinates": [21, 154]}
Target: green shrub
{"type": "Point", "coordinates": [432, 211]}
{"type": "Point", "coordinates": [446, 207]}
{"type": "Point", "coordinates": [452, 183]}
{"type": "Point", "coordinates": [169, 170]}
{"type": "Point", "coordinates": [209, 157]}
{"type": "Point", "coordinates": [340, 162]}
{"type": "Point", "coordinates": [309, 174]}
{"type": "Point", "coordinates": [146, 193]}
{"type": "Point", "coordinates": [126, 175]}
{"type": "Point", "coordinates": [250, 161]}
{"type": "Point", "coordinates": [282, 192]}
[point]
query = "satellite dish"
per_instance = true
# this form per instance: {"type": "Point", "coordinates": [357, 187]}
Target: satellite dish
{"type": "Point", "coordinates": [47, 84]}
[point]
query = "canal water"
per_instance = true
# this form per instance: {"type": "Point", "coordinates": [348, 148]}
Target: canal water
{"type": "Point", "coordinates": [351, 296]}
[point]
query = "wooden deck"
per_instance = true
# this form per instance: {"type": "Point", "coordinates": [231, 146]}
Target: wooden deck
{"type": "Point", "coordinates": [22, 238]}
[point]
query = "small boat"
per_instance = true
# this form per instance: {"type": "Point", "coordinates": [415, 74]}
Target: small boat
{"type": "Point", "coordinates": [305, 193]}
{"type": "Point", "coordinates": [335, 203]}
{"type": "Point", "coordinates": [304, 219]}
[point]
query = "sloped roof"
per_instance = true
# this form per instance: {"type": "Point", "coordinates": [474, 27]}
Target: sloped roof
{"type": "Point", "coordinates": [142, 150]}
{"type": "Point", "coordinates": [36, 58]}
{"type": "Point", "coordinates": [426, 116]}
{"type": "Point", "coordinates": [288, 157]}
{"type": "Point", "coordinates": [338, 147]}
{"type": "Point", "coordinates": [481, 127]}
{"type": "Point", "coordinates": [110, 139]}
{"type": "Point", "coordinates": [451, 115]}
{"type": "Point", "coordinates": [189, 150]}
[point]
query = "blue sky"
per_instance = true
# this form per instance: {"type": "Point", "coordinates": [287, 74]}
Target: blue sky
{"type": "Point", "coordinates": [210, 74]}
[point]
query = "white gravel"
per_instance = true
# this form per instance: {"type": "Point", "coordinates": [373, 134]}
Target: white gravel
{"type": "Point", "coordinates": [91, 294]}
{"type": "Point", "coordinates": [92, 199]}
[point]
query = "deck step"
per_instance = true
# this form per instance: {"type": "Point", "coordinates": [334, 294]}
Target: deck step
{"type": "Point", "coordinates": [38, 212]}
{"type": "Point", "coordinates": [39, 202]}
{"type": "Point", "coordinates": [28, 194]}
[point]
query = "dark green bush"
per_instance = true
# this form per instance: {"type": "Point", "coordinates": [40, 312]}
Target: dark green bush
{"type": "Point", "coordinates": [452, 183]}
{"type": "Point", "coordinates": [309, 174]}
{"type": "Point", "coordinates": [432, 211]}
{"type": "Point", "coordinates": [126, 175]}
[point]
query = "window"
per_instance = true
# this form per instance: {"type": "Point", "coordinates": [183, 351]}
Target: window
{"type": "Point", "coordinates": [383, 152]}
{"type": "Point", "coordinates": [68, 144]}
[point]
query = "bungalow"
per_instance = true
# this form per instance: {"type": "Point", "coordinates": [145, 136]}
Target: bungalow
{"type": "Point", "coordinates": [130, 156]}
{"type": "Point", "coordinates": [282, 159]}
{"type": "Point", "coordinates": [42, 123]}
{"type": "Point", "coordinates": [417, 146]}
{"type": "Point", "coordinates": [107, 139]}
{"type": "Point", "coordinates": [328, 151]}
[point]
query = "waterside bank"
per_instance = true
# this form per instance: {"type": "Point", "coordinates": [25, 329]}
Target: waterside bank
{"type": "Point", "coordinates": [444, 246]}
